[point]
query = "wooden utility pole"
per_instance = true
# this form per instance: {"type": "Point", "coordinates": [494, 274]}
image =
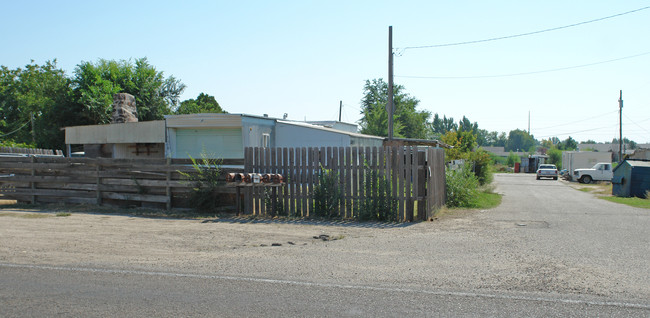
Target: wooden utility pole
{"type": "Point", "coordinates": [340, 109]}
{"type": "Point", "coordinates": [390, 108]}
{"type": "Point", "coordinates": [620, 127]}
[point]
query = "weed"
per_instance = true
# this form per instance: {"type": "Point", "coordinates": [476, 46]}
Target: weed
{"type": "Point", "coordinates": [380, 206]}
{"type": "Point", "coordinates": [63, 214]}
{"type": "Point", "coordinates": [327, 194]}
{"type": "Point", "coordinates": [462, 187]}
{"type": "Point", "coordinates": [205, 179]}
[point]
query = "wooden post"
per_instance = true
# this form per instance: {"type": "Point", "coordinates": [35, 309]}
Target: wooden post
{"type": "Point", "coordinates": [99, 182]}
{"type": "Point", "coordinates": [33, 183]}
{"type": "Point", "coordinates": [168, 188]}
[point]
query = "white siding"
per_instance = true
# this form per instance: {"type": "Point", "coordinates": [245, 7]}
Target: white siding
{"type": "Point", "coordinates": [287, 135]}
{"type": "Point", "coordinates": [223, 143]}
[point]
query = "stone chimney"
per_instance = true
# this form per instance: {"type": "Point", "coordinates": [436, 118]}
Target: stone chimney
{"type": "Point", "coordinates": [124, 110]}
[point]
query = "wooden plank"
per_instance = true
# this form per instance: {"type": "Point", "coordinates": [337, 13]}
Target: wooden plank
{"type": "Point", "coordinates": [303, 182]}
{"type": "Point", "coordinates": [346, 182]}
{"type": "Point", "coordinates": [50, 192]}
{"type": "Point", "coordinates": [400, 184]}
{"type": "Point", "coordinates": [354, 195]}
{"type": "Point", "coordinates": [291, 175]}
{"type": "Point", "coordinates": [421, 187]}
{"type": "Point", "coordinates": [32, 184]}
{"type": "Point", "coordinates": [134, 197]}
{"type": "Point", "coordinates": [408, 168]}
{"type": "Point", "coordinates": [336, 174]}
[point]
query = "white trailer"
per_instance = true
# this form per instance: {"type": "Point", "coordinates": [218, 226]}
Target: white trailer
{"type": "Point", "coordinates": [572, 160]}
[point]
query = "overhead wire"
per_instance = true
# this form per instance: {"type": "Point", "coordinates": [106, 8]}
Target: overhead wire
{"type": "Point", "coordinates": [523, 34]}
{"type": "Point", "coordinates": [13, 132]}
{"type": "Point", "coordinates": [524, 73]}
{"type": "Point", "coordinates": [578, 121]}
{"type": "Point", "coordinates": [636, 124]}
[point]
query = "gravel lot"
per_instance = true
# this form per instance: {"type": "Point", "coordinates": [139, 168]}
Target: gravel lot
{"type": "Point", "coordinates": [546, 238]}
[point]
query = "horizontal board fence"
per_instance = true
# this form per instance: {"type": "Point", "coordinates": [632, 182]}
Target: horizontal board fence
{"type": "Point", "coordinates": [30, 151]}
{"type": "Point", "coordinates": [400, 183]}
{"type": "Point", "coordinates": [156, 183]}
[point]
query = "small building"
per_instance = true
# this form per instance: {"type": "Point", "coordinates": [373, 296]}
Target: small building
{"type": "Point", "coordinates": [631, 178]}
{"type": "Point", "coordinates": [219, 135]}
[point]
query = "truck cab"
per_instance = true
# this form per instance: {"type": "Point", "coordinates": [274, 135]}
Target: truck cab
{"type": "Point", "coordinates": [602, 171]}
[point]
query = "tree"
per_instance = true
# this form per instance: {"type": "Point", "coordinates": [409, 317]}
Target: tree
{"type": "Point", "coordinates": [630, 144]}
{"type": "Point", "coordinates": [519, 140]}
{"type": "Point", "coordinates": [462, 142]}
{"type": "Point", "coordinates": [408, 122]}
{"type": "Point", "coordinates": [555, 157]}
{"type": "Point", "coordinates": [440, 126]}
{"type": "Point", "coordinates": [203, 103]}
{"type": "Point", "coordinates": [29, 100]}
{"type": "Point", "coordinates": [96, 83]}
{"type": "Point", "coordinates": [568, 144]}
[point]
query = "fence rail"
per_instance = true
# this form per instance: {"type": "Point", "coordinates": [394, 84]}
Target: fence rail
{"type": "Point", "coordinates": [416, 177]}
{"type": "Point", "coordinates": [154, 183]}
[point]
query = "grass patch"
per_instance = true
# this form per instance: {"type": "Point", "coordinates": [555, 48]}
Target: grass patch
{"type": "Point", "coordinates": [635, 202]}
{"type": "Point", "coordinates": [63, 214]}
{"type": "Point", "coordinates": [487, 199]}
{"type": "Point", "coordinates": [26, 215]}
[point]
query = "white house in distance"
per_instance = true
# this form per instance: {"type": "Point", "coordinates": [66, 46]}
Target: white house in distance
{"type": "Point", "coordinates": [220, 135]}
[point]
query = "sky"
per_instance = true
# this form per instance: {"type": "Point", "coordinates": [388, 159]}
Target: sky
{"type": "Point", "coordinates": [303, 58]}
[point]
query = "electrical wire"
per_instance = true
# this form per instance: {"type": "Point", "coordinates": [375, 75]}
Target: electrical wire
{"type": "Point", "coordinates": [628, 118]}
{"type": "Point", "coordinates": [19, 128]}
{"type": "Point", "coordinates": [522, 34]}
{"type": "Point", "coordinates": [578, 121]}
{"type": "Point", "coordinates": [575, 132]}
{"type": "Point", "coordinates": [524, 73]}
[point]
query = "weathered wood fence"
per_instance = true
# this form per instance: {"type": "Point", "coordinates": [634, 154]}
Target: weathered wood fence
{"type": "Point", "coordinates": [34, 151]}
{"type": "Point", "coordinates": [153, 183]}
{"type": "Point", "coordinates": [416, 176]}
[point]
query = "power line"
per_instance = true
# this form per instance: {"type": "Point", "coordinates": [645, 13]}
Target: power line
{"type": "Point", "coordinates": [522, 34]}
{"type": "Point", "coordinates": [628, 118]}
{"type": "Point", "coordinates": [575, 132]}
{"type": "Point", "coordinates": [578, 121]}
{"type": "Point", "coordinates": [19, 128]}
{"type": "Point", "coordinates": [524, 73]}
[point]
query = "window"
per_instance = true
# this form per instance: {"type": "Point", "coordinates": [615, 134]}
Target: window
{"type": "Point", "coordinates": [266, 140]}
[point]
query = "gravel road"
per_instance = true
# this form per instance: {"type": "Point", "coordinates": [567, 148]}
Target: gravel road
{"type": "Point", "coordinates": [546, 241]}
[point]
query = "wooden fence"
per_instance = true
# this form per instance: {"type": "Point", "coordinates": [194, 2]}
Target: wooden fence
{"type": "Point", "coordinates": [416, 177]}
{"type": "Point", "coordinates": [127, 182]}
{"type": "Point", "coordinates": [33, 151]}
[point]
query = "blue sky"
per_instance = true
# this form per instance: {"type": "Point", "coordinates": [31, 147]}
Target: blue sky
{"type": "Point", "coordinates": [303, 57]}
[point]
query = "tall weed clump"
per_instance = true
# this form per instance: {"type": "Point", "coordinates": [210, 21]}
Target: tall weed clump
{"type": "Point", "coordinates": [380, 206]}
{"type": "Point", "coordinates": [327, 194]}
{"type": "Point", "coordinates": [205, 181]}
{"type": "Point", "coordinates": [462, 187]}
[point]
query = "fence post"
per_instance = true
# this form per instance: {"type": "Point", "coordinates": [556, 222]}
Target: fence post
{"type": "Point", "coordinates": [33, 183]}
{"type": "Point", "coordinates": [168, 188]}
{"type": "Point", "coordinates": [98, 170]}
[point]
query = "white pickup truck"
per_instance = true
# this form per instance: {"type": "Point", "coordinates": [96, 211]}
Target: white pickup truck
{"type": "Point", "coordinates": [602, 171]}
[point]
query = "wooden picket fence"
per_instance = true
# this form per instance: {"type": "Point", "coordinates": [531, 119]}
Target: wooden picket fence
{"type": "Point", "coordinates": [416, 176]}
{"type": "Point", "coordinates": [156, 183]}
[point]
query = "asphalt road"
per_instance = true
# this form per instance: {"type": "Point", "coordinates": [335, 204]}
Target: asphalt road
{"type": "Point", "coordinates": [547, 251]}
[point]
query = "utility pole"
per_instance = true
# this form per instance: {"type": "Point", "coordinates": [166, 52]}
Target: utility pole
{"type": "Point", "coordinates": [390, 108]}
{"type": "Point", "coordinates": [340, 109]}
{"type": "Point", "coordinates": [529, 122]}
{"type": "Point", "coordinates": [31, 118]}
{"type": "Point", "coordinates": [620, 127]}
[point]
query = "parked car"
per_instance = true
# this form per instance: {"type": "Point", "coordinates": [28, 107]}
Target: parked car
{"type": "Point", "coordinates": [547, 171]}
{"type": "Point", "coordinates": [602, 171]}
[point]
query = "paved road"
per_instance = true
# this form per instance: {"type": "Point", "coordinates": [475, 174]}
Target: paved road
{"type": "Point", "coordinates": [548, 250]}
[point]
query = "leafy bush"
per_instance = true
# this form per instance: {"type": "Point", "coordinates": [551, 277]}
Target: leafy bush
{"type": "Point", "coordinates": [462, 187]}
{"type": "Point", "coordinates": [205, 179]}
{"type": "Point", "coordinates": [512, 159]}
{"type": "Point", "coordinates": [274, 203]}
{"type": "Point", "coordinates": [482, 166]}
{"type": "Point", "coordinates": [327, 194]}
{"type": "Point", "coordinates": [380, 206]}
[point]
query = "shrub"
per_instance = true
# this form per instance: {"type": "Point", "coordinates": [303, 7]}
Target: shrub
{"type": "Point", "coordinates": [462, 187]}
{"type": "Point", "coordinates": [380, 206]}
{"type": "Point", "coordinates": [205, 179]}
{"type": "Point", "coordinates": [327, 194]}
{"type": "Point", "coordinates": [482, 166]}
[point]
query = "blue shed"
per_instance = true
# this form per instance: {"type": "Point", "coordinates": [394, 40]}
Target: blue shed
{"type": "Point", "coordinates": [631, 178]}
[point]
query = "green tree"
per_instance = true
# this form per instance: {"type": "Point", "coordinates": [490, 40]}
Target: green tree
{"type": "Point", "coordinates": [462, 144]}
{"type": "Point", "coordinates": [568, 144]}
{"type": "Point", "coordinates": [519, 140]}
{"type": "Point", "coordinates": [203, 103]}
{"type": "Point", "coordinates": [30, 103]}
{"type": "Point", "coordinates": [95, 84]}
{"type": "Point", "coordinates": [408, 122]}
{"type": "Point", "coordinates": [512, 159]}
{"type": "Point", "coordinates": [555, 157]}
